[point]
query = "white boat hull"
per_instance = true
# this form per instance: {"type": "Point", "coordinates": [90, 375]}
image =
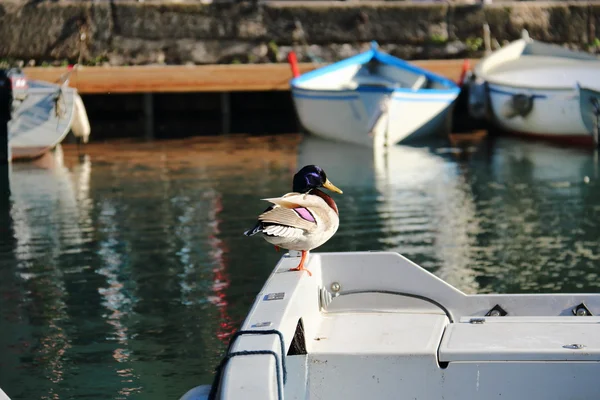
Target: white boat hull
{"type": "Point", "coordinates": [348, 116]}
{"type": "Point", "coordinates": [547, 78]}
{"type": "Point", "coordinates": [554, 113]}
{"type": "Point", "coordinates": [44, 119]}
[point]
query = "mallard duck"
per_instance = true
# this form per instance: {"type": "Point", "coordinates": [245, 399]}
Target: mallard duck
{"type": "Point", "coordinates": [303, 219]}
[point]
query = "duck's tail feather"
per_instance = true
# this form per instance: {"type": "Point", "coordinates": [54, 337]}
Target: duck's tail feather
{"type": "Point", "coordinates": [257, 228]}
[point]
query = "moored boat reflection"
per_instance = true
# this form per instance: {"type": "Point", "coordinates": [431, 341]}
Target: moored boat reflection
{"type": "Point", "coordinates": [402, 198]}
{"type": "Point", "coordinates": [537, 205]}
{"type": "Point", "coordinates": [44, 229]}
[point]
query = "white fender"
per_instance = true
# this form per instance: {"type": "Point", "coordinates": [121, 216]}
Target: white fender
{"type": "Point", "coordinates": [81, 124]}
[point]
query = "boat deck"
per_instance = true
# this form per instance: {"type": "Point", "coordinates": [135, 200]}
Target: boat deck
{"type": "Point", "coordinates": [382, 327]}
{"type": "Point", "coordinates": [378, 333]}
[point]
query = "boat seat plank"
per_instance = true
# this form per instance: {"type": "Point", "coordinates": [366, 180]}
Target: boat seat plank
{"type": "Point", "coordinates": [370, 81]}
{"type": "Point", "coordinates": [419, 83]}
{"type": "Point", "coordinates": [525, 341]}
{"type": "Point", "coordinates": [379, 334]}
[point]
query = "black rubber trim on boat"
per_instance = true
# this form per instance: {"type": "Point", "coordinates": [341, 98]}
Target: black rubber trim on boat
{"type": "Point", "coordinates": [441, 364]}
{"type": "Point", "coordinates": [219, 370]}
{"type": "Point", "coordinates": [298, 345]}
{"type": "Point", "coordinates": [416, 296]}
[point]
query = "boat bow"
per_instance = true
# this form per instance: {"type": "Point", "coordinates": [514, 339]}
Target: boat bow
{"type": "Point", "coordinates": [375, 324]}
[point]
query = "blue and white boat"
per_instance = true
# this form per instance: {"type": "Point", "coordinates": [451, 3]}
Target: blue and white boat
{"type": "Point", "coordinates": [374, 99]}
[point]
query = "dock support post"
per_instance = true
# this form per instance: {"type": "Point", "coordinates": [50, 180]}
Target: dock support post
{"type": "Point", "coordinates": [225, 113]}
{"type": "Point", "coordinates": [149, 116]}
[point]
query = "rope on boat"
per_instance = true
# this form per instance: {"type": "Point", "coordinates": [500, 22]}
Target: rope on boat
{"type": "Point", "coordinates": [416, 296]}
{"type": "Point", "coordinates": [229, 356]}
{"type": "Point", "coordinates": [265, 332]}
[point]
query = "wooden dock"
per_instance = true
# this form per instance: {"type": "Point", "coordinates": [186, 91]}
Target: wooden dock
{"type": "Point", "coordinates": [198, 78]}
{"type": "Point", "coordinates": [223, 79]}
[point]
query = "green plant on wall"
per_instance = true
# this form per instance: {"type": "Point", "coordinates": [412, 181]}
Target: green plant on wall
{"type": "Point", "coordinates": [273, 51]}
{"type": "Point", "coordinates": [594, 45]}
{"type": "Point", "coordinates": [98, 60]}
{"type": "Point", "coordinates": [436, 38]}
{"type": "Point", "coordinates": [273, 47]}
{"type": "Point", "coordinates": [474, 43]}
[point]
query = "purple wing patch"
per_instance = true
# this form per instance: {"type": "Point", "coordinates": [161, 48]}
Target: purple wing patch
{"type": "Point", "coordinates": [304, 214]}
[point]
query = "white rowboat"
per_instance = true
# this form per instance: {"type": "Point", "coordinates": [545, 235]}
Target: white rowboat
{"type": "Point", "coordinates": [373, 99]}
{"type": "Point", "coordinates": [533, 88]}
{"type": "Point", "coordinates": [43, 119]}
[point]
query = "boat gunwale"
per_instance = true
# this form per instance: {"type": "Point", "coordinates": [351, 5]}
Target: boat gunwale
{"type": "Point", "coordinates": [531, 87]}
{"type": "Point", "coordinates": [377, 89]}
{"type": "Point", "coordinates": [439, 96]}
{"type": "Point", "coordinates": [488, 66]}
{"type": "Point", "coordinates": [365, 57]}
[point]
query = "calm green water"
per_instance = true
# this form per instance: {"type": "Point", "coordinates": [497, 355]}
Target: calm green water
{"type": "Point", "coordinates": [124, 272]}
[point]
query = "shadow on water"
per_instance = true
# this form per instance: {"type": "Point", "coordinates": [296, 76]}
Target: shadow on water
{"type": "Point", "coordinates": [124, 272]}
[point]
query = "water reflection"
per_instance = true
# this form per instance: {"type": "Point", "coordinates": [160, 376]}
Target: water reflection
{"type": "Point", "coordinates": [538, 206]}
{"type": "Point", "coordinates": [42, 206]}
{"type": "Point", "coordinates": [124, 272]}
{"type": "Point", "coordinates": [109, 270]}
{"type": "Point", "coordinates": [404, 199]}
{"type": "Point", "coordinates": [513, 216]}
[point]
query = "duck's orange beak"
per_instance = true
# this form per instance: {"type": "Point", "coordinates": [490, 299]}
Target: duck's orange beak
{"type": "Point", "coordinates": [332, 187]}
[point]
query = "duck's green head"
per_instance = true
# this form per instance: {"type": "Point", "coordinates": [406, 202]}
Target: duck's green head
{"type": "Point", "coordinates": [312, 177]}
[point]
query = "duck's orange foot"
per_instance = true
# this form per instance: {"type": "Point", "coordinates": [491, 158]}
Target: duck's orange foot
{"type": "Point", "coordinates": [300, 266]}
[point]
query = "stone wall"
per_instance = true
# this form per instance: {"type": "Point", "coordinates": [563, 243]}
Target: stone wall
{"type": "Point", "coordinates": [122, 32]}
